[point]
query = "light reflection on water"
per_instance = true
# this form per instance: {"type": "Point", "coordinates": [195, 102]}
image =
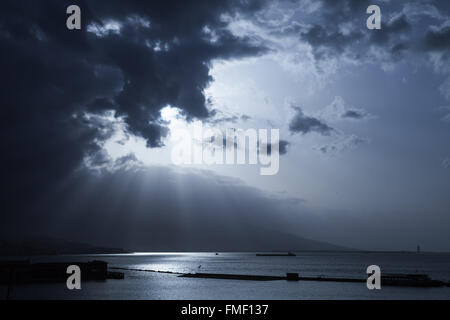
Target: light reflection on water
{"type": "Point", "coordinates": [146, 285]}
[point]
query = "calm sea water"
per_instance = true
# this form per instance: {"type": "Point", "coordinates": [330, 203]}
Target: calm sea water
{"type": "Point", "coordinates": [144, 285]}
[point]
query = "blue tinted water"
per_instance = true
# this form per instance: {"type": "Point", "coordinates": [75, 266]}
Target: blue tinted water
{"type": "Point", "coordinates": [142, 285]}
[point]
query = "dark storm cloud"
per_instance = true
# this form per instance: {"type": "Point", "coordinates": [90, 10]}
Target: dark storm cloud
{"type": "Point", "coordinates": [438, 39]}
{"type": "Point", "coordinates": [391, 30]}
{"type": "Point", "coordinates": [230, 119]}
{"type": "Point", "coordinates": [160, 54]}
{"type": "Point", "coordinates": [339, 27]}
{"type": "Point", "coordinates": [325, 36]}
{"type": "Point", "coordinates": [354, 114]}
{"type": "Point", "coordinates": [325, 42]}
{"type": "Point", "coordinates": [338, 110]}
{"type": "Point", "coordinates": [283, 147]}
{"type": "Point", "coordinates": [177, 71]}
{"type": "Point", "coordinates": [218, 117]}
{"type": "Point", "coordinates": [332, 28]}
{"type": "Point", "coordinates": [304, 124]}
{"type": "Point", "coordinates": [345, 143]}
{"type": "Point", "coordinates": [342, 11]}
{"type": "Point", "coordinates": [395, 37]}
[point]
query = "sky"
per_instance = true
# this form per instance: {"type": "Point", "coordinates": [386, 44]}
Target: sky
{"type": "Point", "coordinates": [89, 119]}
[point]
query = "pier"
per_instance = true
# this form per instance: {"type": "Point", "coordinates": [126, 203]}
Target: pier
{"type": "Point", "coordinates": [404, 280]}
{"type": "Point", "coordinates": [289, 254]}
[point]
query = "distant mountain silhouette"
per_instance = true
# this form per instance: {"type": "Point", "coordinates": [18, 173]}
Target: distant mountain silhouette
{"type": "Point", "coordinates": [36, 245]}
{"type": "Point", "coordinates": [159, 209]}
{"type": "Point", "coordinates": [254, 240]}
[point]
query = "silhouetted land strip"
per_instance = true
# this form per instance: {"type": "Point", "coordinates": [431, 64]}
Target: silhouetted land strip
{"type": "Point", "coordinates": [12, 272]}
{"type": "Point", "coordinates": [37, 246]}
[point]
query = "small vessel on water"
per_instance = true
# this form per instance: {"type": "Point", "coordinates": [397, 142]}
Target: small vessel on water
{"type": "Point", "coordinates": [289, 254]}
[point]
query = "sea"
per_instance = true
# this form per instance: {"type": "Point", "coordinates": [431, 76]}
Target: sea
{"type": "Point", "coordinates": [139, 285]}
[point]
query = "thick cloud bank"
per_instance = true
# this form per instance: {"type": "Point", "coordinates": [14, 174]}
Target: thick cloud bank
{"type": "Point", "coordinates": [131, 57]}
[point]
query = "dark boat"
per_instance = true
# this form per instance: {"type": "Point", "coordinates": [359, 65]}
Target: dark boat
{"type": "Point", "coordinates": [289, 254]}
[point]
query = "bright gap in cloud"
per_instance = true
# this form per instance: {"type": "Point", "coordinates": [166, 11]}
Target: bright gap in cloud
{"type": "Point", "coordinates": [105, 28]}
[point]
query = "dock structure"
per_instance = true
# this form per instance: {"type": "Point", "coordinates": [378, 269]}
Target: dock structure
{"type": "Point", "coordinates": [231, 276]}
{"type": "Point", "coordinates": [288, 254]}
{"type": "Point", "coordinates": [145, 270]}
{"type": "Point", "coordinates": [405, 280]}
